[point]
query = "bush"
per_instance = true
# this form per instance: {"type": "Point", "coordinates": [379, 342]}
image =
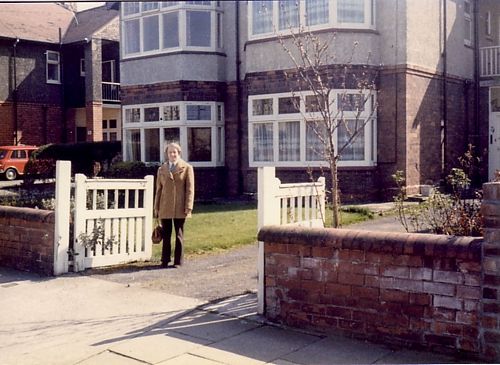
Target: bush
{"type": "Point", "coordinates": [131, 170]}
{"type": "Point", "coordinates": [83, 157]}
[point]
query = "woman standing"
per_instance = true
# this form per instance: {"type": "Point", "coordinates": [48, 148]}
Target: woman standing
{"type": "Point", "coordinates": [173, 201]}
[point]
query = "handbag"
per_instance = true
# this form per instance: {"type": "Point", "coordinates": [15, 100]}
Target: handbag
{"type": "Point", "coordinates": [157, 234]}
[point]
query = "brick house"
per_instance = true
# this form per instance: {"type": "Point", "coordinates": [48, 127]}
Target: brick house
{"type": "Point", "coordinates": [59, 72]}
{"type": "Point", "coordinates": [209, 75]}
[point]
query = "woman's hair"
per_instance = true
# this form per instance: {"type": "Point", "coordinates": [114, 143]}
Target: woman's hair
{"type": "Point", "coordinates": [173, 145]}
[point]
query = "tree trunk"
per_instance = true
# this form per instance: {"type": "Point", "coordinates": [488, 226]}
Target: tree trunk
{"type": "Point", "coordinates": [335, 195]}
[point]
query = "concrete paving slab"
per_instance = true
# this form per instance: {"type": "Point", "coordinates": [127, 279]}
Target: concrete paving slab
{"type": "Point", "coordinates": [188, 359]}
{"type": "Point", "coordinates": [338, 350]}
{"type": "Point", "coordinates": [417, 357]}
{"type": "Point", "coordinates": [158, 346]}
{"type": "Point", "coordinates": [257, 346]}
{"type": "Point", "coordinates": [65, 319]}
{"type": "Point", "coordinates": [110, 358]}
{"type": "Point", "coordinates": [242, 306]}
{"type": "Point", "coordinates": [208, 326]}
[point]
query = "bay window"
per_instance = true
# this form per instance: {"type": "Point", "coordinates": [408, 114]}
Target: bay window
{"type": "Point", "coordinates": [268, 17]}
{"type": "Point", "coordinates": [288, 130]}
{"type": "Point", "coordinates": [148, 28]}
{"type": "Point", "coordinates": [198, 127]}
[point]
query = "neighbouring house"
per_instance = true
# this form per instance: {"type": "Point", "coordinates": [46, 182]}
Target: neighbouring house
{"type": "Point", "coordinates": [210, 75]}
{"type": "Point", "coordinates": [59, 73]}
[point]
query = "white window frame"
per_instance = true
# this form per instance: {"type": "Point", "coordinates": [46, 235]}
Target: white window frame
{"type": "Point", "coordinates": [183, 124]}
{"type": "Point", "coordinates": [52, 62]}
{"type": "Point", "coordinates": [488, 24]}
{"type": "Point", "coordinates": [468, 18]}
{"type": "Point", "coordinates": [82, 67]}
{"type": "Point", "coordinates": [275, 118]}
{"type": "Point", "coordinates": [181, 7]}
{"type": "Point", "coordinates": [369, 23]}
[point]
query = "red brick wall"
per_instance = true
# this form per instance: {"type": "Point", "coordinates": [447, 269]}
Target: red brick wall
{"type": "Point", "coordinates": [407, 289]}
{"type": "Point", "coordinates": [37, 124]}
{"type": "Point", "coordinates": [27, 239]}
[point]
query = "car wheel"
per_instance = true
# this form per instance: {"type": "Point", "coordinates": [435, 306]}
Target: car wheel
{"type": "Point", "coordinates": [11, 174]}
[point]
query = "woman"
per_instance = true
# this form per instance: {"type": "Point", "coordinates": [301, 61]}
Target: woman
{"type": "Point", "coordinates": [174, 200]}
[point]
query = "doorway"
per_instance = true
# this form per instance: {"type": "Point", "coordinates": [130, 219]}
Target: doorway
{"type": "Point", "coordinates": [494, 133]}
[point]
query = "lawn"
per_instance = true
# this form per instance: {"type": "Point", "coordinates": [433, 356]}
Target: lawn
{"type": "Point", "coordinates": [226, 225]}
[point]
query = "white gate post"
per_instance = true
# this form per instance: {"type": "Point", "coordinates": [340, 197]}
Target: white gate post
{"type": "Point", "coordinates": [79, 221]}
{"type": "Point", "coordinates": [268, 214]}
{"type": "Point", "coordinates": [148, 206]}
{"type": "Point", "coordinates": [62, 216]}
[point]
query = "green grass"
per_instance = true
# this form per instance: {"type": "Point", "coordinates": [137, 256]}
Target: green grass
{"type": "Point", "coordinates": [221, 226]}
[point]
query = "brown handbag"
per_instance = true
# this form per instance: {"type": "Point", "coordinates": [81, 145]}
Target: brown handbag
{"type": "Point", "coordinates": [157, 234]}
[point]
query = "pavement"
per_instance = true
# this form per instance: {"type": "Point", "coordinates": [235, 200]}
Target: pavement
{"type": "Point", "coordinates": [76, 319]}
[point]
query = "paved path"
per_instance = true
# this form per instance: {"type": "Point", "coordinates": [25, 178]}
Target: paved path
{"type": "Point", "coordinates": [84, 320]}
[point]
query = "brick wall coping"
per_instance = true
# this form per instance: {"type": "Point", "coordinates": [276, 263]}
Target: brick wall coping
{"type": "Point", "coordinates": [385, 242]}
{"type": "Point", "coordinates": [27, 214]}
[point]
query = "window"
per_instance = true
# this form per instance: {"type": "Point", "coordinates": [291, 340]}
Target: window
{"type": "Point", "coordinates": [110, 130]}
{"type": "Point", "coordinates": [53, 70]}
{"type": "Point", "coordinates": [467, 22]}
{"type": "Point", "coordinates": [288, 130]}
{"type": "Point", "coordinates": [198, 28]}
{"type": "Point", "coordinates": [262, 16]}
{"type": "Point", "coordinates": [268, 17]}
{"type": "Point", "coordinates": [82, 67]}
{"type": "Point", "coordinates": [159, 27]}
{"type": "Point", "coordinates": [487, 23]}
{"type": "Point", "coordinates": [197, 126]}
{"type": "Point", "coordinates": [151, 40]}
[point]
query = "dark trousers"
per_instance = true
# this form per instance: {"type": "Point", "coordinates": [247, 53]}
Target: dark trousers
{"type": "Point", "coordinates": [179, 240]}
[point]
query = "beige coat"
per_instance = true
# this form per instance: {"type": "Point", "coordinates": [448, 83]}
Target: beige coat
{"type": "Point", "coordinates": [174, 191]}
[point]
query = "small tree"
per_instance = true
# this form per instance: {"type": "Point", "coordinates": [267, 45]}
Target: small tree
{"type": "Point", "coordinates": [335, 121]}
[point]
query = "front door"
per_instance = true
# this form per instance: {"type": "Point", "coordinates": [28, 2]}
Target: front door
{"type": "Point", "coordinates": [494, 133]}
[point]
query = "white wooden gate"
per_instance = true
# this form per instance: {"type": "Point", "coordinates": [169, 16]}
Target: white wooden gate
{"type": "Point", "coordinates": [299, 204]}
{"type": "Point", "coordinates": [112, 221]}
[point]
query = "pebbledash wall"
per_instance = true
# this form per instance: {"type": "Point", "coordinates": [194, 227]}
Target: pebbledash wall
{"type": "Point", "coordinates": [425, 291]}
{"type": "Point", "coordinates": [27, 239]}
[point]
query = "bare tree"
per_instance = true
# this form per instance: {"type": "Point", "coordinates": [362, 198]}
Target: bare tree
{"type": "Point", "coordinates": [336, 120]}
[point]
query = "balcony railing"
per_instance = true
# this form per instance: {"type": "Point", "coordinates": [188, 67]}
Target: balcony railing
{"type": "Point", "coordinates": [489, 58]}
{"type": "Point", "coordinates": [110, 91]}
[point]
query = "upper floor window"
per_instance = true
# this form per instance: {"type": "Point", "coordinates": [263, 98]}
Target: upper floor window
{"type": "Point", "coordinates": [269, 17]}
{"type": "Point", "coordinates": [468, 30]}
{"type": "Point", "coordinates": [159, 27]}
{"type": "Point", "coordinates": [53, 67]}
{"type": "Point", "coordinates": [487, 23]}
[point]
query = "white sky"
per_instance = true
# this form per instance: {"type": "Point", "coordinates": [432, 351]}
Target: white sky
{"type": "Point", "coordinates": [83, 5]}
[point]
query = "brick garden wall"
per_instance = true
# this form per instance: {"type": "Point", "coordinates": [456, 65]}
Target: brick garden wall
{"type": "Point", "coordinates": [413, 290]}
{"type": "Point", "coordinates": [27, 239]}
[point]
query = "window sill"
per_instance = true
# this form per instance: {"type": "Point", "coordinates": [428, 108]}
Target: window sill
{"type": "Point", "coordinates": [173, 53]}
{"type": "Point", "coordinates": [53, 82]}
{"type": "Point", "coordinates": [274, 37]}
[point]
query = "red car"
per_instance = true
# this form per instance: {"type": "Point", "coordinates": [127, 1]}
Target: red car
{"type": "Point", "coordinates": [13, 159]}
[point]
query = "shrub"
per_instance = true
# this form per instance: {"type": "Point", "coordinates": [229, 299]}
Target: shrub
{"type": "Point", "coordinates": [131, 170]}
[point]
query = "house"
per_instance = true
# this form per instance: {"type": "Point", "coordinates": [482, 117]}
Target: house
{"type": "Point", "coordinates": [210, 75]}
{"type": "Point", "coordinates": [488, 68]}
{"type": "Point", "coordinates": [59, 73]}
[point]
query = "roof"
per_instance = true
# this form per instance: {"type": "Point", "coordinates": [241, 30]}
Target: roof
{"type": "Point", "coordinates": [34, 21]}
{"type": "Point", "coordinates": [41, 22]}
{"type": "Point", "coordinates": [89, 22]}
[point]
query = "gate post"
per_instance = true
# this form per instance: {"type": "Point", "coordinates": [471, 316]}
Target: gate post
{"type": "Point", "coordinates": [148, 206]}
{"type": "Point", "coordinates": [267, 214]}
{"type": "Point", "coordinates": [62, 219]}
{"type": "Point", "coordinates": [79, 221]}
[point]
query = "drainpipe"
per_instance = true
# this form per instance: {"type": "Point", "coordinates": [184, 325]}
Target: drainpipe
{"type": "Point", "coordinates": [14, 93]}
{"type": "Point", "coordinates": [238, 98]}
{"type": "Point", "coordinates": [63, 101]}
{"type": "Point", "coordinates": [475, 138]}
{"type": "Point", "coordinates": [444, 121]}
